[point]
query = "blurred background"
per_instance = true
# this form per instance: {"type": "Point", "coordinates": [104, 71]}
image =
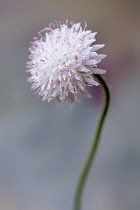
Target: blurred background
{"type": "Point", "coordinates": [43, 146]}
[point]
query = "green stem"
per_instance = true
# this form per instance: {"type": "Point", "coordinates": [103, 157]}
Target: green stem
{"type": "Point", "coordinates": [91, 156]}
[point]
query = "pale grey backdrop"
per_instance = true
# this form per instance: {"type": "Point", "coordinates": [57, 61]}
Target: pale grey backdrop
{"type": "Point", "coordinates": [43, 146]}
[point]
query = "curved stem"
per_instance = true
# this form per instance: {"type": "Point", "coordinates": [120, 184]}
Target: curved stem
{"type": "Point", "coordinates": [91, 156]}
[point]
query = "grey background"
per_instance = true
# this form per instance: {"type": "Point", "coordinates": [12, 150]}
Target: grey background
{"type": "Point", "coordinates": [43, 146]}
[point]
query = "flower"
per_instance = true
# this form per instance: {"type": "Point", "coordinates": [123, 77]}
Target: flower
{"type": "Point", "coordinates": [63, 62]}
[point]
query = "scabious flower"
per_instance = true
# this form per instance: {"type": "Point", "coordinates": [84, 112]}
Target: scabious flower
{"type": "Point", "coordinates": [63, 62]}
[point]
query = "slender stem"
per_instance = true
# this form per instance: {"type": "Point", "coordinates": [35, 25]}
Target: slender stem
{"type": "Point", "coordinates": [91, 156]}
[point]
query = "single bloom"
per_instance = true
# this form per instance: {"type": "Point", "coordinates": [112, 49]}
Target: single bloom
{"type": "Point", "coordinates": [63, 61]}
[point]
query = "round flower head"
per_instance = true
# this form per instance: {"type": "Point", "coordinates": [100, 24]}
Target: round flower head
{"type": "Point", "coordinates": [63, 62]}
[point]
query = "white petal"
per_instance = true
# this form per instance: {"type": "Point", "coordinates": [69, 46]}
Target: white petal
{"type": "Point", "coordinates": [80, 85]}
{"type": "Point", "coordinates": [90, 62]}
{"type": "Point", "coordinates": [97, 47]}
{"type": "Point", "coordinates": [82, 69]}
{"type": "Point", "coordinates": [77, 26]}
{"type": "Point", "coordinates": [92, 54]}
{"type": "Point", "coordinates": [92, 35]}
{"type": "Point", "coordinates": [87, 43]}
{"type": "Point", "coordinates": [91, 81]}
{"type": "Point", "coordinates": [100, 57]}
{"type": "Point", "coordinates": [98, 71]}
{"type": "Point", "coordinates": [85, 51]}
{"type": "Point", "coordinates": [87, 32]}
